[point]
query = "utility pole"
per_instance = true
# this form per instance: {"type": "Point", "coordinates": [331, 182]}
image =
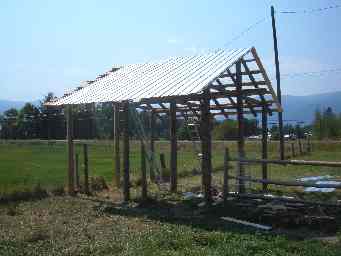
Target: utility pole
{"type": "Point", "coordinates": [278, 79]}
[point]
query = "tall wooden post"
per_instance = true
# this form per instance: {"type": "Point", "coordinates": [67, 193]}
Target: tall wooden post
{"type": "Point", "coordinates": [152, 146]}
{"type": "Point", "coordinates": [278, 79]}
{"type": "Point", "coordinates": [86, 169]}
{"type": "Point", "coordinates": [173, 140]}
{"type": "Point", "coordinates": [117, 159]}
{"type": "Point", "coordinates": [226, 175]}
{"type": "Point", "coordinates": [126, 178]}
{"type": "Point", "coordinates": [71, 153]}
{"type": "Point", "coordinates": [77, 171]}
{"type": "Point", "coordinates": [143, 172]}
{"type": "Point", "coordinates": [206, 145]}
{"type": "Point", "coordinates": [264, 146]}
{"type": "Point", "coordinates": [240, 118]}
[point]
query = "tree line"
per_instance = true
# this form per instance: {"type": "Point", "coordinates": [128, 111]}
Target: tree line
{"type": "Point", "coordinates": [327, 124]}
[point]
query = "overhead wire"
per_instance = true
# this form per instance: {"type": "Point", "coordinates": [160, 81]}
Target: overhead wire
{"type": "Point", "coordinates": [307, 11]}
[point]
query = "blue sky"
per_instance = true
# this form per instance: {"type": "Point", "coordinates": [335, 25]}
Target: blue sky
{"type": "Point", "coordinates": [53, 45]}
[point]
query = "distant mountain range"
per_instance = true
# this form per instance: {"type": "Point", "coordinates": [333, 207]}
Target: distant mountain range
{"type": "Point", "coordinates": [296, 108]}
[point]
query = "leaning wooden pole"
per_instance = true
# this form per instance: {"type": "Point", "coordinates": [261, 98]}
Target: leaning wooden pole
{"type": "Point", "coordinates": [278, 79]}
{"type": "Point", "coordinates": [117, 159]}
{"type": "Point", "coordinates": [264, 146]}
{"type": "Point", "coordinates": [206, 145]}
{"type": "Point", "coordinates": [71, 153]}
{"type": "Point", "coordinates": [126, 163]}
{"type": "Point", "coordinates": [173, 153]}
{"type": "Point", "coordinates": [240, 118]}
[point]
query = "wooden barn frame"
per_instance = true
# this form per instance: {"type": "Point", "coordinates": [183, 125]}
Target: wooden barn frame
{"type": "Point", "coordinates": [228, 83]}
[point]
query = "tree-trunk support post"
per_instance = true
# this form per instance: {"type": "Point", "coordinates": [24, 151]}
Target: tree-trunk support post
{"type": "Point", "coordinates": [71, 153]}
{"type": "Point", "coordinates": [86, 169]}
{"type": "Point", "coordinates": [264, 146]}
{"type": "Point", "coordinates": [240, 118]}
{"type": "Point", "coordinates": [143, 172]}
{"type": "Point", "coordinates": [126, 163]}
{"type": "Point", "coordinates": [117, 160]}
{"type": "Point", "coordinates": [226, 175]}
{"type": "Point", "coordinates": [206, 145]}
{"type": "Point", "coordinates": [173, 140]}
{"type": "Point", "coordinates": [152, 145]}
{"type": "Point", "coordinates": [293, 153]}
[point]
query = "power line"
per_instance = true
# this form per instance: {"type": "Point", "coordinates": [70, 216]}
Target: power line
{"type": "Point", "coordinates": [310, 73]}
{"type": "Point", "coordinates": [307, 11]}
{"type": "Point", "coordinates": [245, 31]}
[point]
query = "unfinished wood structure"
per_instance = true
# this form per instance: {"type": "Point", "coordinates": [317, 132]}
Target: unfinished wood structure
{"type": "Point", "coordinates": [221, 82]}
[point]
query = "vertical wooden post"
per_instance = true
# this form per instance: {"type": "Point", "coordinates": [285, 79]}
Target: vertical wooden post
{"type": "Point", "coordinates": [163, 166]}
{"type": "Point", "coordinates": [152, 146]}
{"type": "Point", "coordinates": [206, 145]}
{"type": "Point", "coordinates": [240, 118]}
{"type": "Point", "coordinates": [71, 160]}
{"type": "Point", "coordinates": [309, 144]}
{"type": "Point", "coordinates": [77, 171]}
{"type": "Point", "coordinates": [264, 146]}
{"type": "Point", "coordinates": [278, 79]}
{"type": "Point", "coordinates": [173, 153]}
{"type": "Point", "coordinates": [293, 153]}
{"type": "Point", "coordinates": [226, 175]}
{"type": "Point", "coordinates": [300, 146]}
{"type": "Point", "coordinates": [117, 144]}
{"type": "Point", "coordinates": [86, 170]}
{"type": "Point", "coordinates": [144, 172]}
{"type": "Point", "coordinates": [126, 178]}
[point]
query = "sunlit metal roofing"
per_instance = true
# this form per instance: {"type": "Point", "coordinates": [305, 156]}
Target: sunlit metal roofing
{"type": "Point", "coordinates": [174, 76]}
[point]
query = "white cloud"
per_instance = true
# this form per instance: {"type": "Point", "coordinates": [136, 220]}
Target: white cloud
{"type": "Point", "coordinates": [173, 41]}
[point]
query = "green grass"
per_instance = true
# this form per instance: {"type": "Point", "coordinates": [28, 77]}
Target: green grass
{"type": "Point", "coordinates": [25, 164]}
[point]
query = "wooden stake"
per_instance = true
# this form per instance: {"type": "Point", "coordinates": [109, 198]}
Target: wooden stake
{"type": "Point", "coordinates": [144, 172]}
{"type": "Point", "coordinates": [117, 145]}
{"type": "Point", "coordinates": [71, 160]}
{"type": "Point", "coordinates": [226, 174]}
{"type": "Point", "coordinates": [264, 146]}
{"type": "Point", "coordinates": [86, 170]}
{"type": "Point", "coordinates": [126, 178]}
{"type": "Point", "coordinates": [278, 79]}
{"type": "Point", "coordinates": [240, 118]}
{"type": "Point", "coordinates": [173, 140]}
{"type": "Point", "coordinates": [206, 146]}
{"type": "Point", "coordinates": [300, 146]}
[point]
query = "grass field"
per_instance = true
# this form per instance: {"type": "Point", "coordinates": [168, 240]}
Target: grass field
{"type": "Point", "coordinates": [99, 225]}
{"type": "Point", "coordinates": [26, 164]}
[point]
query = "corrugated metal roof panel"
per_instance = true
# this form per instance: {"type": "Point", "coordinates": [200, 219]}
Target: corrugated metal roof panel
{"type": "Point", "coordinates": [175, 76]}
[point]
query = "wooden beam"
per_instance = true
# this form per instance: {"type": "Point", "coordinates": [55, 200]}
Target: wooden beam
{"type": "Point", "coordinates": [173, 140]}
{"type": "Point", "coordinates": [126, 152]}
{"type": "Point", "coordinates": [233, 75]}
{"type": "Point", "coordinates": [226, 175]}
{"type": "Point", "coordinates": [117, 144]}
{"type": "Point", "coordinates": [240, 118]}
{"type": "Point", "coordinates": [71, 153]}
{"type": "Point", "coordinates": [86, 169]}
{"type": "Point", "coordinates": [206, 146]}
{"type": "Point", "coordinates": [198, 96]}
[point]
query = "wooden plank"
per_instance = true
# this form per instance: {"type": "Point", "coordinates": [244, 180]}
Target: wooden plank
{"type": "Point", "coordinates": [264, 146]}
{"type": "Point", "coordinates": [173, 153]}
{"type": "Point", "coordinates": [143, 173]}
{"type": "Point", "coordinates": [86, 169]}
{"type": "Point", "coordinates": [291, 162]}
{"type": "Point", "coordinates": [226, 174]}
{"type": "Point", "coordinates": [126, 152]}
{"type": "Point", "coordinates": [240, 119]}
{"type": "Point", "coordinates": [71, 153]}
{"type": "Point", "coordinates": [247, 223]}
{"type": "Point", "coordinates": [233, 75]}
{"type": "Point", "coordinates": [206, 146]}
{"type": "Point", "coordinates": [117, 145]}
